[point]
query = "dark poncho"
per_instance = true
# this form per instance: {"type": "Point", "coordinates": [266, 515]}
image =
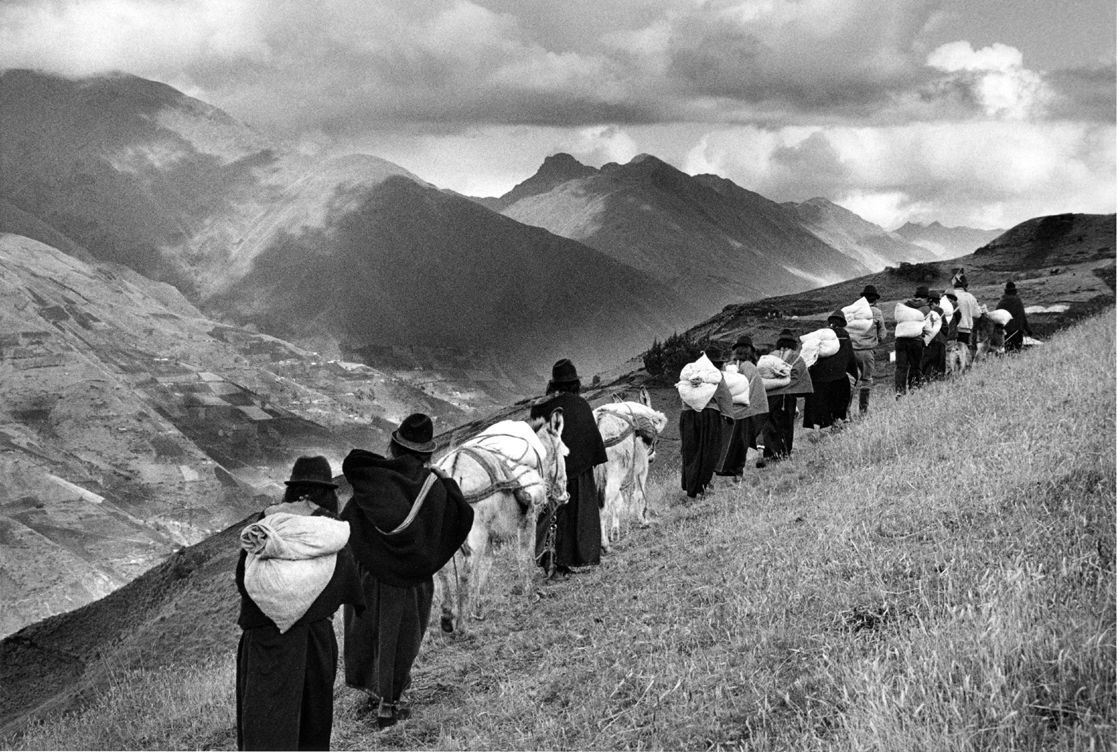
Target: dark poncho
{"type": "Point", "coordinates": [579, 431]}
{"type": "Point", "coordinates": [383, 493]}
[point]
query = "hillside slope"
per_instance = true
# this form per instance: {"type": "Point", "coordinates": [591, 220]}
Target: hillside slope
{"type": "Point", "coordinates": [824, 603]}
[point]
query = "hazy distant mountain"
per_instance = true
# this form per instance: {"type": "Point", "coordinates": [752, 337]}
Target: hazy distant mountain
{"type": "Point", "coordinates": [709, 238]}
{"type": "Point", "coordinates": [946, 242]}
{"type": "Point", "coordinates": [350, 252]}
{"type": "Point", "coordinates": [854, 236]}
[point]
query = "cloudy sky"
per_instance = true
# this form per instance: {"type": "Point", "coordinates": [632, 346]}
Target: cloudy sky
{"type": "Point", "coordinates": [975, 112]}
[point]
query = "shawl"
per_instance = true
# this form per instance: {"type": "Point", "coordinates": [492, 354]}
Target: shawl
{"type": "Point", "coordinates": [800, 376]}
{"type": "Point", "coordinates": [290, 560]}
{"type": "Point", "coordinates": [384, 496]}
{"type": "Point", "coordinates": [757, 403]}
{"type": "Point", "coordinates": [579, 431]}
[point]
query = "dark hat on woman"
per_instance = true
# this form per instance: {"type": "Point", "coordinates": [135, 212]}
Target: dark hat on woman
{"type": "Point", "coordinates": [743, 341]}
{"type": "Point", "coordinates": [787, 338]}
{"type": "Point", "coordinates": [1010, 288]}
{"type": "Point", "coordinates": [312, 471]}
{"type": "Point", "coordinates": [922, 292]}
{"type": "Point", "coordinates": [415, 433]}
{"type": "Point", "coordinates": [564, 372]}
{"type": "Point", "coordinates": [870, 293]}
{"type": "Point", "coordinates": [837, 317]}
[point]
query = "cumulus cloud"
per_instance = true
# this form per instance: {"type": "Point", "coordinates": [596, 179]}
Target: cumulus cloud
{"type": "Point", "coordinates": [995, 76]}
{"type": "Point", "coordinates": [986, 174]}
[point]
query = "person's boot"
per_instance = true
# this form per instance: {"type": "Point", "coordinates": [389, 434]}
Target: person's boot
{"type": "Point", "coordinates": [863, 402]}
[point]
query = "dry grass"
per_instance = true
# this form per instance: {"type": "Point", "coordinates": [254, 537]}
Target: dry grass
{"type": "Point", "coordinates": [939, 577]}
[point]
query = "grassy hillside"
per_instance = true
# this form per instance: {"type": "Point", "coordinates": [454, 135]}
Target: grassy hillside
{"type": "Point", "coordinates": [938, 576]}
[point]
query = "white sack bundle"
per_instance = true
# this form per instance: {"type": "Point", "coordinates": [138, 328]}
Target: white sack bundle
{"type": "Point", "coordinates": [738, 385]}
{"type": "Point", "coordinates": [773, 367]}
{"type": "Point", "coordinates": [858, 309]}
{"type": "Point", "coordinates": [827, 340]}
{"type": "Point", "coordinates": [909, 321]}
{"type": "Point", "coordinates": [291, 559]}
{"type": "Point", "coordinates": [697, 383]}
{"type": "Point", "coordinates": [860, 326]}
{"type": "Point", "coordinates": [947, 307]}
{"type": "Point", "coordinates": [1000, 316]}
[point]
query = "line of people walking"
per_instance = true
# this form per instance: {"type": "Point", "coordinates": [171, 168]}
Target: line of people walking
{"type": "Point", "coordinates": [750, 399]}
{"type": "Point", "coordinates": [304, 558]}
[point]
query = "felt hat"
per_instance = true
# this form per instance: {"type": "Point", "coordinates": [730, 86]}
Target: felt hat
{"type": "Point", "coordinates": [787, 338]}
{"type": "Point", "coordinates": [837, 317]}
{"type": "Point", "coordinates": [1010, 288]}
{"type": "Point", "coordinates": [870, 293]}
{"type": "Point", "coordinates": [312, 471]}
{"type": "Point", "coordinates": [416, 433]}
{"type": "Point", "coordinates": [743, 341]}
{"type": "Point", "coordinates": [564, 372]}
{"type": "Point", "coordinates": [922, 292]}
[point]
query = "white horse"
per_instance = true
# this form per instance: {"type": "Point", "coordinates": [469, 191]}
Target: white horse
{"type": "Point", "coordinates": [509, 473]}
{"type": "Point", "coordinates": [630, 430]}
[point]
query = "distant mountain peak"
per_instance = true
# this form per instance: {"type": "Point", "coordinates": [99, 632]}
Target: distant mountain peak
{"type": "Point", "coordinates": [556, 169]}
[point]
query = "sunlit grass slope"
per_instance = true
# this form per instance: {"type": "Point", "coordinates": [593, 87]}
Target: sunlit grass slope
{"type": "Point", "coordinates": [937, 577]}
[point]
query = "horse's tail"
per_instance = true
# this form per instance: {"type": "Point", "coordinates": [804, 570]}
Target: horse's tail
{"type": "Point", "coordinates": [599, 481]}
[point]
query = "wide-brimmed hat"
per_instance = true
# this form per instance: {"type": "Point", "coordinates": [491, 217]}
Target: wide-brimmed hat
{"type": "Point", "coordinates": [313, 471]}
{"type": "Point", "coordinates": [922, 292]}
{"type": "Point", "coordinates": [870, 293]}
{"type": "Point", "coordinates": [416, 433]}
{"type": "Point", "coordinates": [838, 317]}
{"type": "Point", "coordinates": [564, 372]}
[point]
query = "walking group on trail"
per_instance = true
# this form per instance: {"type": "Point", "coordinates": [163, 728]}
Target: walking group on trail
{"type": "Point", "coordinates": [557, 485]}
{"type": "Point", "coordinates": [751, 400]}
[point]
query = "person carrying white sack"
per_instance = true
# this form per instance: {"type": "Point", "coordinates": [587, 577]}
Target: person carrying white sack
{"type": "Point", "coordinates": [932, 365]}
{"type": "Point", "coordinates": [750, 410]}
{"type": "Point", "coordinates": [294, 571]}
{"type": "Point", "coordinates": [831, 375]}
{"type": "Point", "coordinates": [706, 412]}
{"type": "Point", "coordinates": [911, 318]}
{"type": "Point", "coordinates": [970, 311]}
{"type": "Point", "coordinates": [866, 330]}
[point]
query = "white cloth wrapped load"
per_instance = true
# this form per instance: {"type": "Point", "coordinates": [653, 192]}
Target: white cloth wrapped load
{"type": "Point", "coordinates": [1000, 316]}
{"type": "Point", "coordinates": [773, 367]}
{"type": "Point", "coordinates": [909, 321]}
{"type": "Point", "coordinates": [697, 383]}
{"type": "Point", "coordinates": [513, 439]}
{"type": "Point", "coordinates": [291, 559]}
{"type": "Point", "coordinates": [738, 384]}
{"type": "Point", "coordinates": [947, 308]}
{"type": "Point", "coordinates": [823, 341]}
{"type": "Point", "coordinates": [858, 310]}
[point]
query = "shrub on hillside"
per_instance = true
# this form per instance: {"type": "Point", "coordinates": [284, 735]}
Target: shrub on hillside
{"type": "Point", "coordinates": [914, 272]}
{"type": "Point", "coordinates": [665, 359]}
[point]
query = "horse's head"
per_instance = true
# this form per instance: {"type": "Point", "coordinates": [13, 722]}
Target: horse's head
{"type": "Point", "coordinates": [553, 471]}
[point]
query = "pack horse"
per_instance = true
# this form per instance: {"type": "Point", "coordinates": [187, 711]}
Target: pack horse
{"type": "Point", "coordinates": [630, 430]}
{"type": "Point", "coordinates": [511, 473]}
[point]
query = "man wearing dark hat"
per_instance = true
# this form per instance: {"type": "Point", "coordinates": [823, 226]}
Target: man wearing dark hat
{"type": "Point", "coordinates": [407, 521]}
{"type": "Point", "coordinates": [574, 529]}
{"type": "Point", "coordinates": [1017, 328]}
{"type": "Point", "coordinates": [864, 349]}
{"type": "Point", "coordinates": [779, 430]}
{"type": "Point", "coordinates": [285, 680]}
{"type": "Point", "coordinates": [910, 329]}
{"type": "Point", "coordinates": [831, 377]}
{"type": "Point", "coordinates": [969, 311]}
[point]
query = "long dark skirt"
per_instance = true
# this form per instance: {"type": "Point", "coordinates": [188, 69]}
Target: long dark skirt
{"type": "Point", "coordinates": [829, 402]}
{"type": "Point", "coordinates": [700, 440]}
{"type": "Point", "coordinates": [779, 430]}
{"type": "Point", "coordinates": [577, 526]}
{"type": "Point", "coordinates": [382, 641]}
{"type": "Point", "coordinates": [737, 442]}
{"type": "Point", "coordinates": [285, 687]}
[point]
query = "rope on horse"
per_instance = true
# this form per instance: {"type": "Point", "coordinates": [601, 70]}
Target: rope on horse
{"type": "Point", "coordinates": [486, 458]}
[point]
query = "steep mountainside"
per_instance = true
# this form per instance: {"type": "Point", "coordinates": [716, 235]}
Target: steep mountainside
{"type": "Point", "coordinates": [946, 242]}
{"type": "Point", "coordinates": [131, 425]}
{"type": "Point", "coordinates": [47, 666]}
{"type": "Point", "coordinates": [858, 238]}
{"type": "Point", "coordinates": [134, 172]}
{"type": "Point", "coordinates": [711, 238]}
